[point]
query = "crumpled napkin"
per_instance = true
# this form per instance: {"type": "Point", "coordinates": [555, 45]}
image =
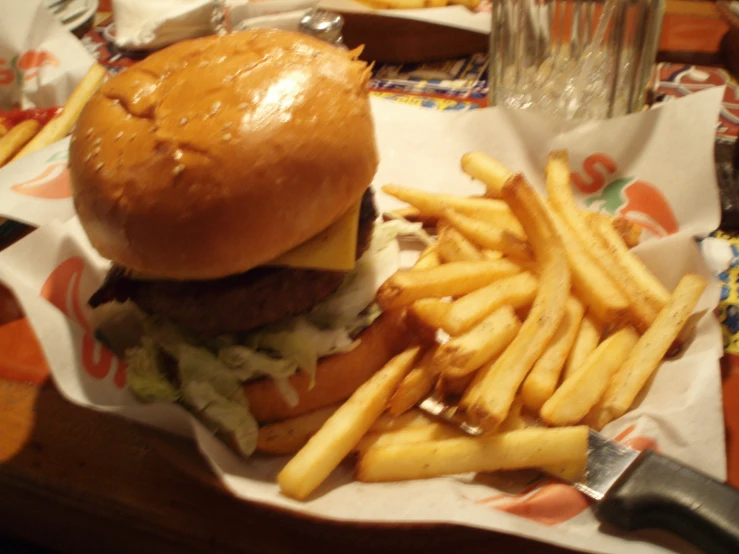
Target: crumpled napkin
{"type": "Point", "coordinates": [147, 24]}
{"type": "Point", "coordinates": [240, 15]}
{"type": "Point", "coordinates": [40, 61]}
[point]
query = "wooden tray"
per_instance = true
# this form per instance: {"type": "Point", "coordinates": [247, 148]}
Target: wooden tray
{"type": "Point", "coordinates": [398, 40]}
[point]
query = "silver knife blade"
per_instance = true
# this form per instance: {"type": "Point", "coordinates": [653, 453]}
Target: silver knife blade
{"type": "Point", "coordinates": [607, 460]}
{"type": "Point", "coordinates": [688, 503]}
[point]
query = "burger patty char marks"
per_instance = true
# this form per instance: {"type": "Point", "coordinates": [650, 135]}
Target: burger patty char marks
{"type": "Point", "coordinates": [242, 302]}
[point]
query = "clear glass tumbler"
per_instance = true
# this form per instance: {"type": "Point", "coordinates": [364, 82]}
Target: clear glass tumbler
{"type": "Point", "coordinates": [573, 58]}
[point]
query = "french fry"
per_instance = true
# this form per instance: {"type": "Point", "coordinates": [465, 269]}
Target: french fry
{"type": "Point", "coordinates": [414, 215]}
{"type": "Point", "coordinates": [412, 418]}
{"type": "Point", "coordinates": [515, 419]}
{"type": "Point", "coordinates": [430, 250]}
{"type": "Point", "coordinates": [289, 436]}
{"type": "Point", "coordinates": [492, 255]}
{"type": "Point", "coordinates": [525, 448]}
{"type": "Point", "coordinates": [590, 281]}
{"type": "Point", "coordinates": [395, 4]}
{"type": "Point", "coordinates": [575, 397]}
{"type": "Point", "coordinates": [464, 313]}
{"type": "Point", "coordinates": [16, 138]}
{"type": "Point", "coordinates": [490, 172]}
{"type": "Point", "coordinates": [641, 307]}
{"type": "Point", "coordinates": [470, 4]}
{"type": "Point", "coordinates": [648, 352]}
{"type": "Point", "coordinates": [406, 4]}
{"type": "Point", "coordinates": [569, 472]}
{"type": "Point", "coordinates": [453, 279]}
{"type": "Point", "coordinates": [344, 429]}
{"type": "Point", "coordinates": [416, 385]}
{"type": "Point", "coordinates": [420, 433]}
{"type": "Point", "coordinates": [655, 292]}
{"type": "Point", "coordinates": [467, 352]}
{"type": "Point", "coordinates": [489, 236]}
{"type": "Point", "coordinates": [61, 125]}
{"type": "Point", "coordinates": [433, 204]}
{"type": "Point", "coordinates": [453, 246]}
{"type": "Point", "coordinates": [489, 402]}
{"type": "Point", "coordinates": [428, 258]}
{"type": "Point", "coordinates": [543, 378]}
{"type": "Point", "coordinates": [452, 387]}
{"type": "Point", "coordinates": [586, 340]}
{"type": "Point", "coordinates": [430, 311]}
{"type": "Point", "coordinates": [3, 130]}
{"type": "Point", "coordinates": [503, 219]}
{"type": "Point", "coordinates": [629, 231]}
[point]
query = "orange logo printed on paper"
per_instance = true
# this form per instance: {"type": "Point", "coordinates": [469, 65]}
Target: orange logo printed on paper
{"type": "Point", "coordinates": [545, 501]}
{"type": "Point", "coordinates": [52, 183]}
{"type": "Point", "coordinates": [550, 502]}
{"type": "Point", "coordinates": [25, 67]}
{"type": "Point", "coordinates": [628, 197]}
{"type": "Point", "coordinates": [62, 289]}
{"type": "Point", "coordinates": [7, 75]}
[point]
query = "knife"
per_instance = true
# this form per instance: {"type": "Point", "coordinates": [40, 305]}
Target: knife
{"type": "Point", "coordinates": [642, 490]}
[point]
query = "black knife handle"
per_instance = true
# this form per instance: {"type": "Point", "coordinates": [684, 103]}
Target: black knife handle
{"type": "Point", "coordinates": [658, 492]}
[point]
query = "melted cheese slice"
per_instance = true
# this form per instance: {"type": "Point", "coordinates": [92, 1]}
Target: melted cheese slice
{"type": "Point", "coordinates": [333, 249]}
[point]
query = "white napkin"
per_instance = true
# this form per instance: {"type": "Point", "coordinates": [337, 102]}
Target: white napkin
{"type": "Point", "coordinates": [40, 61]}
{"type": "Point", "coordinates": [147, 24]}
{"type": "Point", "coordinates": [239, 15]}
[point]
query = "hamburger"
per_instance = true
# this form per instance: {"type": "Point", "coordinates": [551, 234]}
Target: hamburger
{"type": "Point", "coordinates": [228, 181]}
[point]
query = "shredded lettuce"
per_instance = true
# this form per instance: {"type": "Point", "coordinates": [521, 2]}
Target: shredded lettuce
{"type": "Point", "coordinates": [247, 363]}
{"type": "Point", "coordinates": [145, 374]}
{"type": "Point", "coordinates": [289, 394]}
{"type": "Point", "coordinates": [200, 365]}
{"type": "Point", "coordinates": [228, 416]}
{"type": "Point", "coordinates": [303, 343]}
{"type": "Point", "coordinates": [166, 335]}
{"type": "Point", "coordinates": [210, 372]}
{"type": "Point", "coordinates": [400, 226]}
{"type": "Point", "coordinates": [206, 386]}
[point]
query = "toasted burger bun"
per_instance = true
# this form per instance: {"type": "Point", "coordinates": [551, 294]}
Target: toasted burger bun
{"type": "Point", "coordinates": [337, 376]}
{"type": "Point", "coordinates": [216, 155]}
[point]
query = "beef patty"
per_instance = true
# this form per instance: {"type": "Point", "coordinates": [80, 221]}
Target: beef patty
{"type": "Point", "coordinates": [242, 302]}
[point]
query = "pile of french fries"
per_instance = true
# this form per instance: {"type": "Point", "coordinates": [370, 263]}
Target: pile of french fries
{"type": "Point", "coordinates": [546, 325]}
{"type": "Point", "coordinates": [29, 136]}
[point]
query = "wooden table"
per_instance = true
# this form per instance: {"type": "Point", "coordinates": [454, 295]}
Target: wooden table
{"type": "Point", "coordinates": [79, 481]}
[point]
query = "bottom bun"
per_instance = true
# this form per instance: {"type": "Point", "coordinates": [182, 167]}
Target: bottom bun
{"type": "Point", "coordinates": [337, 376]}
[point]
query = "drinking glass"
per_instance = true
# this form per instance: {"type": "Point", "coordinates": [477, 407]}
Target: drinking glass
{"type": "Point", "coordinates": [573, 58]}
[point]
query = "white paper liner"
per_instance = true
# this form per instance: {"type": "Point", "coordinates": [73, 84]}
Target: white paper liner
{"type": "Point", "coordinates": [28, 30]}
{"type": "Point", "coordinates": [681, 411]}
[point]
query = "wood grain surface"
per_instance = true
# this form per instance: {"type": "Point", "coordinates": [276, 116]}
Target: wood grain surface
{"type": "Point", "coordinates": [393, 40]}
{"type": "Point", "coordinates": [81, 481]}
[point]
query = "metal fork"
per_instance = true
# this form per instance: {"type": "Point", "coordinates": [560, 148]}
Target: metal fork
{"type": "Point", "coordinates": [438, 409]}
